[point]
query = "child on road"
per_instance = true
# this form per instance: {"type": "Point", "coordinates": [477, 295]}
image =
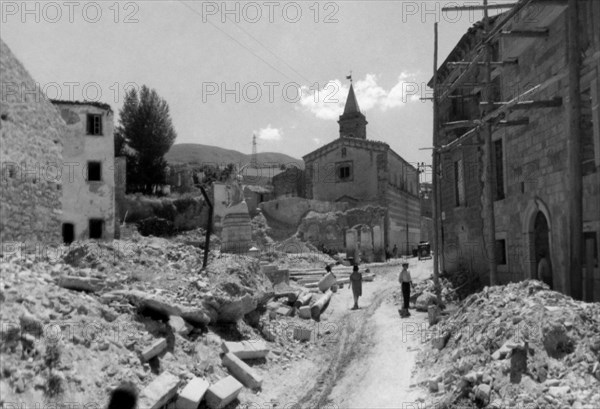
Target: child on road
{"type": "Point", "coordinates": [406, 283]}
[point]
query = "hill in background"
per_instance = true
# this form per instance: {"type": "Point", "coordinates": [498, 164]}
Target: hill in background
{"type": "Point", "coordinates": [205, 154]}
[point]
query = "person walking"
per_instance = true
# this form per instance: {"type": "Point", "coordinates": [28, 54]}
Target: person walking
{"type": "Point", "coordinates": [395, 251]}
{"type": "Point", "coordinates": [356, 282]}
{"type": "Point", "coordinates": [406, 283]}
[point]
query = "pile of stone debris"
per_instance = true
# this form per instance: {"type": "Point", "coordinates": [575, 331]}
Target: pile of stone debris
{"type": "Point", "coordinates": [518, 344]}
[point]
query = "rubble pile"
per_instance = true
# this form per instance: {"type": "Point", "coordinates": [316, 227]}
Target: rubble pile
{"type": "Point", "coordinates": [424, 293]}
{"type": "Point", "coordinates": [519, 344]}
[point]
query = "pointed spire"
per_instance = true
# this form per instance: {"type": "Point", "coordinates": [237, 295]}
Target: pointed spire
{"type": "Point", "coordinates": [351, 103]}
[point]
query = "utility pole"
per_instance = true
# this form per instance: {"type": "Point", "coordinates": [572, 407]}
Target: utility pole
{"type": "Point", "coordinates": [488, 176]}
{"type": "Point", "coordinates": [435, 178]}
{"type": "Point", "coordinates": [574, 155]}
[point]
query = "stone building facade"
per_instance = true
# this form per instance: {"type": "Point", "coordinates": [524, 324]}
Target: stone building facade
{"type": "Point", "coordinates": [31, 145]}
{"type": "Point", "coordinates": [530, 164]}
{"type": "Point", "coordinates": [361, 172]}
{"type": "Point", "coordinates": [88, 196]}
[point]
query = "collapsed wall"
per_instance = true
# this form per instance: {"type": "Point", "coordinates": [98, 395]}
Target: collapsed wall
{"type": "Point", "coordinates": [32, 165]}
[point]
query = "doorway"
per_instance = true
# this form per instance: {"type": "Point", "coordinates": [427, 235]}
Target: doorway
{"type": "Point", "coordinates": [542, 249]}
{"type": "Point", "coordinates": [68, 233]}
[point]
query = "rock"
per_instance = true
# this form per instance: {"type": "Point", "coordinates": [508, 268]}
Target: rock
{"type": "Point", "coordinates": [439, 342]}
{"type": "Point", "coordinates": [192, 394]}
{"type": "Point", "coordinates": [156, 348]}
{"type": "Point", "coordinates": [242, 372]}
{"type": "Point", "coordinates": [304, 312]}
{"type": "Point", "coordinates": [246, 349]}
{"type": "Point", "coordinates": [302, 334]}
{"type": "Point", "coordinates": [178, 325]}
{"type": "Point", "coordinates": [160, 391]}
{"type": "Point", "coordinates": [482, 393]}
{"type": "Point", "coordinates": [223, 393]}
{"type": "Point", "coordinates": [87, 284]}
{"type": "Point", "coordinates": [425, 300]}
{"type": "Point", "coordinates": [326, 282]}
{"type": "Point", "coordinates": [235, 310]}
{"type": "Point", "coordinates": [558, 391]}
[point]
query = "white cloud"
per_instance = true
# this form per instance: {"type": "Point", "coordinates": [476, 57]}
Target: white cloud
{"type": "Point", "coordinates": [269, 134]}
{"type": "Point", "coordinates": [328, 102]}
{"type": "Point", "coordinates": [317, 140]}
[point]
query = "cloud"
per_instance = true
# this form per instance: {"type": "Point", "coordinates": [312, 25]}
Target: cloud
{"type": "Point", "coordinates": [269, 134]}
{"type": "Point", "coordinates": [317, 141]}
{"type": "Point", "coordinates": [328, 102]}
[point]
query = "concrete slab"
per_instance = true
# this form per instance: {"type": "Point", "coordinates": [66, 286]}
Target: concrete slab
{"type": "Point", "coordinates": [154, 349]}
{"type": "Point", "coordinates": [242, 371]}
{"type": "Point", "coordinates": [223, 393]}
{"type": "Point", "coordinates": [159, 391]}
{"type": "Point", "coordinates": [192, 394]}
{"type": "Point", "coordinates": [255, 349]}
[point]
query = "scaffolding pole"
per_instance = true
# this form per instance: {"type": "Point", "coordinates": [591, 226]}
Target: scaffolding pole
{"type": "Point", "coordinates": [435, 180]}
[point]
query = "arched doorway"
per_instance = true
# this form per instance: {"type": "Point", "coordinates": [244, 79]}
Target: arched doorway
{"type": "Point", "coordinates": [542, 249]}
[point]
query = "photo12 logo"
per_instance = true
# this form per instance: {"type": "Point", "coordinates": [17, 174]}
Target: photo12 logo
{"type": "Point", "coordinates": [70, 11]}
{"type": "Point", "coordinates": [270, 11]}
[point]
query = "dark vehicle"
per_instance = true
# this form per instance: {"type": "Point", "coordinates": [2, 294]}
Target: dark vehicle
{"type": "Point", "coordinates": [424, 250]}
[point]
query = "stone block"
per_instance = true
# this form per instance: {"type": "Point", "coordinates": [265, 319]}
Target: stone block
{"type": "Point", "coordinates": [223, 393]}
{"type": "Point", "coordinates": [80, 283]}
{"type": "Point", "coordinates": [159, 392]}
{"type": "Point", "coordinates": [154, 349]}
{"type": "Point", "coordinates": [304, 312]}
{"type": "Point", "coordinates": [326, 282]}
{"type": "Point", "coordinates": [242, 372]}
{"type": "Point", "coordinates": [192, 394]}
{"type": "Point", "coordinates": [302, 334]}
{"type": "Point", "coordinates": [284, 310]}
{"type": "Point", "coordinates": [246, 349]}
{"type": "Point", "coordinates": [279, 276]}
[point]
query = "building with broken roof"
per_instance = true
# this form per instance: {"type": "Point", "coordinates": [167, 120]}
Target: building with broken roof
{"type": "Point", "coordinates": [32, 141]}
{"type": "Point", "coordinates": [539, 213]}
{"type": "Point", "coordinates": [364, 172]}
{"type": "Point", "coordinates": [88, 196]}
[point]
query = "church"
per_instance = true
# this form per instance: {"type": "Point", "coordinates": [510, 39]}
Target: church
{"type": "Point", "coordinates": [367, 174]}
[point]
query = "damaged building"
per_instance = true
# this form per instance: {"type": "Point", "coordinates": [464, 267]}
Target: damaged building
{"type": "Point", "coordinates": [88, 194]}
{"type": "Point", "coordinates": [363, 172]}
{"type": "Point", "coordinates": [537, 184]}
{"type": "Point", "coordinates": [32, 141]}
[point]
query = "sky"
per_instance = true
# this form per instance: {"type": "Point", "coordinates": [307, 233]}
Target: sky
{"type": "Point", "coordinates": [228, 70]}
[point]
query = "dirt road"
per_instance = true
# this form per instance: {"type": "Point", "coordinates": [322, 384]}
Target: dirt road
{"type": "Point", "coordinates": [370, 364]}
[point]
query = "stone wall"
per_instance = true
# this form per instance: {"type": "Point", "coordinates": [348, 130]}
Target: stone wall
{"type": "Point", "coordinates": [291, 210]}
{"type": "Point", "coordinates": [31, 144]}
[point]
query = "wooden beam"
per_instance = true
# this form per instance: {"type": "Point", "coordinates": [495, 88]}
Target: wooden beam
{"type": "Point", "coordinates": [532, 33]}
{"type": "Point", "coordinates": [551, 103]}
{"type": "Point", "coordinates": [514, 122]}
{"type": "Point", "coordinates": [459, 124]}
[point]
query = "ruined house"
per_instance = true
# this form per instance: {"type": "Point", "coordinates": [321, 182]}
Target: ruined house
{"type": "Point", "coordinates": [362, 172]}
{"type": "Point", "coordinates": [31, 143]}
{"type": "Point", "coordinates": [88, 195]}
{"type": "Point", "coordinates": [533, 174]}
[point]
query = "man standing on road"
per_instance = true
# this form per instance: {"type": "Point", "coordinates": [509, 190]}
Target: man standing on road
{"type": "Point", "coordinates": [356, 282]}
{"type": "Point", "coordinates": [406, 282]}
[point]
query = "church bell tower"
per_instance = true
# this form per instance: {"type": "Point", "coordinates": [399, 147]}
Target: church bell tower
{"type": "Point", "coordinates": [353, 124]}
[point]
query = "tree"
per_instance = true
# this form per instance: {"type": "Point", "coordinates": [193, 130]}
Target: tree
{"type": "Point", "coordinates": [145, 126]}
